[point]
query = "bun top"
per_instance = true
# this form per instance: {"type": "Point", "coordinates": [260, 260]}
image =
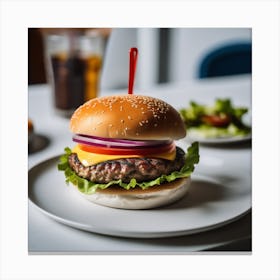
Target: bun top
{"type": "Point", "coordinates": [129, 116]}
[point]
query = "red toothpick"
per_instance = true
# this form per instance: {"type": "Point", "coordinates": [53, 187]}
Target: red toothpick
{"type": "Point", "coordinates": [133, 54]}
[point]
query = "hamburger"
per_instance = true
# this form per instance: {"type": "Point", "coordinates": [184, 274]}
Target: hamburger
{"type": "Point", "coordinates": [125, 154]}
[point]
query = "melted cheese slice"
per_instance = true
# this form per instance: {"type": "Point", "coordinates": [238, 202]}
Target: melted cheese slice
{"type": "Point", "coordinates": [88, 159]}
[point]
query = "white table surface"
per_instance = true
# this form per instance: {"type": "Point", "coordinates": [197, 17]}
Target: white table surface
{"type": "Point", "coordinates": [47, 235]}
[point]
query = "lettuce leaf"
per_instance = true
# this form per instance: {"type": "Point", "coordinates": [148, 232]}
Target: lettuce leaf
{"type": "Point", "coordinates": [88, 187]}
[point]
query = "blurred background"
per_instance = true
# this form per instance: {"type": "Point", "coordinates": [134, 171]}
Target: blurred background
{"type": "Point", "coordinates": [165, 54]}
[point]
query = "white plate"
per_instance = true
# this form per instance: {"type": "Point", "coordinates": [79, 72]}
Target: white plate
{"type": "Point", "coordinates": [219, 140]}
{"type": "Point", "coordinates": [211, 202]}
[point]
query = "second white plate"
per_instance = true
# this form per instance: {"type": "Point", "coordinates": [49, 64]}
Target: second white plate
{"type": "Point", "coordinates": [219, 140]}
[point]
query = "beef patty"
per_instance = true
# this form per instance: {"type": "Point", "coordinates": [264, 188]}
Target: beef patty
{"type": "Point", "coordinates": [141, 169]}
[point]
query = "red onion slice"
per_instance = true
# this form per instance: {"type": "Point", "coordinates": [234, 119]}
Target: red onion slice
{"type": "Point", "coordinates": [117, 143]}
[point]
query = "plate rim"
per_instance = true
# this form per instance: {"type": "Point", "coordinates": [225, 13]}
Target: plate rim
{"type": "Point", "coordinates": [220, 140]}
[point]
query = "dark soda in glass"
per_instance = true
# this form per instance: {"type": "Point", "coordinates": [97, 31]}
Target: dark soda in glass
{"type": "Point", "coordinates": [76, 79]}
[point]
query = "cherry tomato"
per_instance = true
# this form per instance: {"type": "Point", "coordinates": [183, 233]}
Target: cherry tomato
{"type": "Point", "coordinates": [216, 120]}
{"type": "Point", "coordinates": [117, 151]}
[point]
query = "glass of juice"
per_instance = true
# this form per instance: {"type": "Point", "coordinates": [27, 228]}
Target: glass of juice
{"type": "Point", "coordinates": [74, 64]}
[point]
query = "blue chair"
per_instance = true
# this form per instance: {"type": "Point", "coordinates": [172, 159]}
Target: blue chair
{"type": "Point", "coordinates": [232, 59]}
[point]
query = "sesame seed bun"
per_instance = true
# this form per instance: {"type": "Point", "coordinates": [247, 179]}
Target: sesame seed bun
{"type": "Point", "coordinates": [137, 198]}
{"type": "Point", "coordinates": [128, 116]}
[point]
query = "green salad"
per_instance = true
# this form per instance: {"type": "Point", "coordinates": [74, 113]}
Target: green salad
{"type": "Point", "coordinates": [217, 121]}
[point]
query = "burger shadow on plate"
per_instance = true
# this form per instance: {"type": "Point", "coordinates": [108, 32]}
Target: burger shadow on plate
{"type": "Point", "coordinates": [200, 193]}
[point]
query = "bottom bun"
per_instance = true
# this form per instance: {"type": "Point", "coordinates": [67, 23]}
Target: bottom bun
{"type": "Point", "coordinates": [137, 198]}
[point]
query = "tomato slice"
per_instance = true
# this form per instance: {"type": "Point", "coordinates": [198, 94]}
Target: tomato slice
{"type": "Point", "coordinates": [216, 120]}
{"type": "Point", "coordinates": [128, 151]}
